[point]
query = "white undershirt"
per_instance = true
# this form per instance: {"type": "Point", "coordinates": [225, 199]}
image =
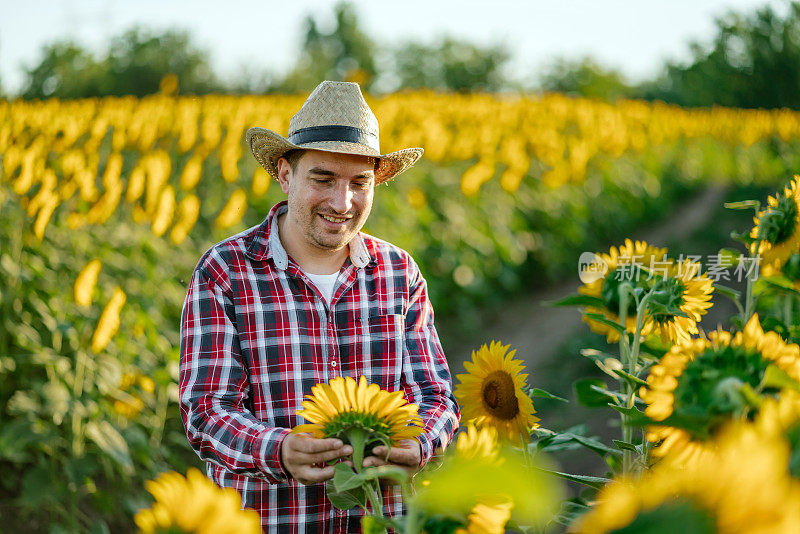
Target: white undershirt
{"type": "Point", "coordinates": [324, 283]}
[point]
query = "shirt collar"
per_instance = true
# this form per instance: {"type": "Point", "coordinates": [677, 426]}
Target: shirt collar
{"type": "Point", "coordinates": [265, 242]}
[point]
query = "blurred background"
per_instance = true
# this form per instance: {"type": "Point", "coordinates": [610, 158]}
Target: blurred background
{"type": "Point", "coordinates": [550, 129]}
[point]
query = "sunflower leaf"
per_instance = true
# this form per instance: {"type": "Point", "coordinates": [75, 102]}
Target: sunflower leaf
{"type": "Point", "coordinates": [743, 237]}
{"type": "Point", "coordinates": [344, 478]}
{"type": "Point", "coordinates": [776, 377]}
{"type": "Point", "coordinates": [592, 482]}
{"type": "Point", "coordinates": [344, 500]}
{"type": "Point", "coordinates": [392, 472]}
{"type": "Point", "coordinates": [578, 300]}
{"type": "Point", "coordinates": [591, 392]}
{"type": "Point", "coordinates": [633, 380]}
{"type": "Point", "coordinates": [780, 283]}
{"type": "Point", "coordinates": [744, 205]}
{"type": "Point", "coordinates": [536, 392]}
{"type": "Point", "coordinates": [600, 318]}
{"type": "Point", "coordinates": [624, 445]}
{"type": "Point", "coordinates": [570, 510]}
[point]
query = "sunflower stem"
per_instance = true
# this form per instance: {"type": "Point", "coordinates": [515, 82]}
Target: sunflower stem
{"type": "Point", "coordinates": [372, 489]}
{"type": "Point", "coordinates": [748, 301]}
{"type": "Point", "coordinates": [357, 438]}
{"type": "Point", "coordinates": [632, 366]}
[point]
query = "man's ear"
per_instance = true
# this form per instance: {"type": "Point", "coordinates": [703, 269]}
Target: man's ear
{"type": "Point", "coordinates": [284, 174]}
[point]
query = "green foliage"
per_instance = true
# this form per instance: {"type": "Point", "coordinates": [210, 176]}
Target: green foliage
{"type": "Point", "coordinates": [585, 78]}
{"type": "Point", "coordinates": [752, 62]}
{"type": "Point", "coordinates": [344, 53]}
{"type": "Point", "coordinates": [134, 64]}
{"type": "Point", "coordinates": [67, 455]}
{"type": "Point", "coordinates": [450, 64]}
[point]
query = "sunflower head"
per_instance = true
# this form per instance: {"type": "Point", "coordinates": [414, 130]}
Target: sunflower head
{"type": "Point", "coordinates": [194, 504]}
{"type": "Point", "coordinates": [491, 392]}
{"type": "Point", "coordinates": [777, 228]}
{"type": "Point", "coordinates": [359, 413]}
{"type": "Point", "coordinates": [680, 297]}
{"type": "Point", "coordinates": [627, 264]}
{"type": "Point", "coordinates": [479, 443]}
{"type": "Point", "coordinates": [700, 385]}
{"type": "Point", "coordinates": [740, 485]}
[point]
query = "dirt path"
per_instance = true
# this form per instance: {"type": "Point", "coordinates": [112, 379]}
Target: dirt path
{"type": "Point", "coordinates": [538, 330]}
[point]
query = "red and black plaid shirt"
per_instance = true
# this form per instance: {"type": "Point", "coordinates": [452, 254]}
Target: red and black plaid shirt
{"type": "Point", "coordinates": [256, 335]}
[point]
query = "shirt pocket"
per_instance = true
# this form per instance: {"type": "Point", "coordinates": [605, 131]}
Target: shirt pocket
{"type": "Point", "coordinates": [382, 347]}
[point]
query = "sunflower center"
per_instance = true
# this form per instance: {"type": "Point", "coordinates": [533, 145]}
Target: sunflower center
{"type": "Point", "coordinates": [778, 223]}
{"type": "Point", "coordinates": [666, 299]}
{"type": "Point", "coordinates": [499, 396]}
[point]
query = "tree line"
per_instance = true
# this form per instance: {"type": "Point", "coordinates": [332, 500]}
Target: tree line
{"type": "Point", "coordinates": [752, 61]}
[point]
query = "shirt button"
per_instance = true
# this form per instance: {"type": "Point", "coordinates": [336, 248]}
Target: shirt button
{"type": "Point", "coordinates": [333, 363]}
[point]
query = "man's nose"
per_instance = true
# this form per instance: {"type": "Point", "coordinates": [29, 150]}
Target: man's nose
{"type": "Point", "coordinates": [342, 199]}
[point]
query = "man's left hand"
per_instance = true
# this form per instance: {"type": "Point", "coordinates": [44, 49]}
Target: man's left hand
{"type": "Point", "coordinates": [406, 454]}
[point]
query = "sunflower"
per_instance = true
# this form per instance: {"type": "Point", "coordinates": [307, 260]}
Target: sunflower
{"type": "Point", "coordinates": [487, 518]}
{"type": "Point", "coordinates": [479, 443]}
{"type": "Point", "coordinates": [358, 413]}
{"type": "Point", "coordinates": [491, 393]}
{"type": "Point", "coordinates": [701, 384]}
{"type": "Point", "coordinates": [625, 264]}
{"type": "Point", "coordinates": [777, 228]}
{"type": "Point", "coordinates": [194, 504]}
{"type": "Point", "coordinates": [479, 482]}
{"type": "Point", "coordinates": [742, 487]}
{"type": "Point", "coordinates": [681, 287]}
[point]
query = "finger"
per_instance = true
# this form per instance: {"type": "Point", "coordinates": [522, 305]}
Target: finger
{"type": "Point", "coordinates": [321, 457]}
{"type": "Point", "coordinates": [396, 455]}
{"type": "Point", "coordinates": [313, 475]}
{"type": "Point", "coordinates": [374, 461]}
{"type": "Point", "coordinates": [313, 445]}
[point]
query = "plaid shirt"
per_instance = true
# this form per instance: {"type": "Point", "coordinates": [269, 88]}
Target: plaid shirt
{"type": "Point", "coordinates": [256, 335]}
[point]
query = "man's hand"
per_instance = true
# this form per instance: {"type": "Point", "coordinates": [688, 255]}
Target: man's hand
{"type": "Point", "coordinates": [305, 457]}
{"type": "Point", "coordinates": [406, 454]}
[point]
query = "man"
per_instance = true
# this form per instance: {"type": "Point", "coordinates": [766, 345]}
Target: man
{"type": "Point", "coordinates": [300, 299]}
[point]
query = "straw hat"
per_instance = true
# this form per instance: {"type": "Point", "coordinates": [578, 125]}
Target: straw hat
{"type": "Point", "coordinates": [334, 118]}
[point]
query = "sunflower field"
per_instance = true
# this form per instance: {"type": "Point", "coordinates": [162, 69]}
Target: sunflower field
{"type": "Point", "coordinates": [107, 204]}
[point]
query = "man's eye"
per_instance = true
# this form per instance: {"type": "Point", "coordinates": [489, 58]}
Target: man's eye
{"type": "Point", "coordinates": [362, 185]}
{"type": "Point", "coordinates": [322, 180]}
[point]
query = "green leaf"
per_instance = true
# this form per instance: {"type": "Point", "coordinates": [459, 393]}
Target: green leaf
{"type": "Point", "coordinates": [629, 377]}
{"type": "Point", "coordinates": [391, 472]}
{"type": "Point", "coordinates": [344, 500]}
{"type": "Point", "coordinates": [570, 510]}
{"type": "Point", "coordinates": [372, 525]}
{"type": "Point", "coordinates": [744, 205]}
{"type": "Point", "coordinates": [728, 292]}
{"type": "Point", "coordinates": [780, 283]}
{"type": "Point", "coordinates": [578, 300]}
{"type": "Point", "coordinates": [344, 478]}
{"type": "Point", "coordinates": [600, 318]}
{"type": "Point", "coordinates": [776, 377]}
{"type": "Point", "coordinates": [536, 392]}
{"type": "Point", "coordinates": [594, 445]}
{"type": "Point", "coordinates": [591, 392]}
{"type": "Point", "coordinates": [626, 446]}
{"type": "Point", "coordinates": [592, 482]}
{"type": "Point", "coordinates": [111, 442]}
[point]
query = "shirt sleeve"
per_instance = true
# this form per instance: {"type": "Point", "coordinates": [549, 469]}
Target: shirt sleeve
{"type": "Point", "coordinates": [426, 376]}
{"type": "Point", "coordinates": [213, 387]}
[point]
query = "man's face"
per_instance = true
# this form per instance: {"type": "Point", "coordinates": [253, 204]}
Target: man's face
{"type": "Point", "coordinates": [330, 197]}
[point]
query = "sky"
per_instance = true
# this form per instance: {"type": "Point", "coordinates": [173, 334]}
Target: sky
{"type": "Point", "coordinates": [633, 36]}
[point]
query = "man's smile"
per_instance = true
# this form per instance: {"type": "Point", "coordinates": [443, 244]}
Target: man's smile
{"type": "Point", "coordinates": [332, 219]}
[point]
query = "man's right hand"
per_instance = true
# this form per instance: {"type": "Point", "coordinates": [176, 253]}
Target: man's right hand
{"type": "Point", "coordinates": [305, 457]}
